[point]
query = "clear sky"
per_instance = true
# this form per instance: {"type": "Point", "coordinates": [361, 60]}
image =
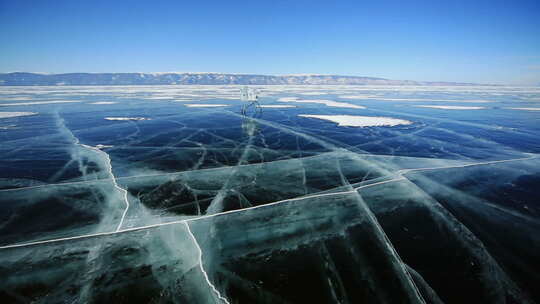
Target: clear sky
{"type": "Point", "coordinates": [479, 41]}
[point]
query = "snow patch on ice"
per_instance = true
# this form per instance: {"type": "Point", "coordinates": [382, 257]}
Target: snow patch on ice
{"type": "Point", "coordinates": [450, 107]}
{"type": "Point", "coordinates": [525, 109]}
{"type": "Point", "coordinates": [15, 114]}
{"type": "Point", "coordinates": [358, 96]}
{"type": "Point", "coordinates": [277, 106]}
{"type": "Point", "coordinates": [328, 103]}
{"type": "Point", "coordinates": [204, 105]}
{"type": "Point", "coordinates": [127, 118]}
{"type": "Point", "coordinates": [313, 93]}
{"type": "Point", "coordinates": [38, 102]}
{"type": "Point", "coordinates": [360, 121]}
{"type": "Point", "coordinates": [287, 99]}
{"type": "Point", "coordinates": [378, 98]}
{"type": "Point", "coordinates": [159, 97]}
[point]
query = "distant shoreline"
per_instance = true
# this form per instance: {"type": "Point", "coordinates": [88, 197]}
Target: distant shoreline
{"type": "Point", "coordinates": [172, 78]}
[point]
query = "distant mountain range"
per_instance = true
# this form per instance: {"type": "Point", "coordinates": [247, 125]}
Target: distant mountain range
{"type": "Point", "coordinates": [33, 79]}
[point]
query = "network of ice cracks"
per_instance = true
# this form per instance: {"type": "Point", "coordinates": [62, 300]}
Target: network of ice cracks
{"type": "Point", "coordinates": [228, 208]}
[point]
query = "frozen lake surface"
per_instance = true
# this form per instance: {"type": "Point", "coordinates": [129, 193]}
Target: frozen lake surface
{"type": "Point", "coordinates": [328, 194]}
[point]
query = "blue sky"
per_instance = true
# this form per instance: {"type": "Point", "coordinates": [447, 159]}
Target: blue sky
{"type": "Point", "coordinates": [479, 41]}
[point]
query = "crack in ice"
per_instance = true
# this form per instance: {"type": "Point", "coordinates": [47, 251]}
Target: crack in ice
{"type": "Point", "coordinates": [400, 173]}
{"type": "Point", "coordinates": [113, 179]}
{"type": "Point", "coordinates": [201, 265]}
{"type": "Point", "coordinates": [107, 163]}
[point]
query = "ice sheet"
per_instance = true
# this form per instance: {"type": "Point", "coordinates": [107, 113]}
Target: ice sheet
{"type": "Point", "coordinates": [168, 204]}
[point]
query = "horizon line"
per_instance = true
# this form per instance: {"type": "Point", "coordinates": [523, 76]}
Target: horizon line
{"type": "Point", "coordinates": [269, 74]}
